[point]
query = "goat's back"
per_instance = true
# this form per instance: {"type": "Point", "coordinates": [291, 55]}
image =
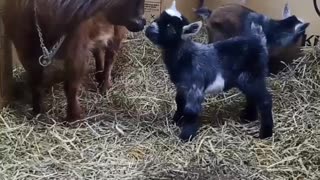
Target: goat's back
{"type": "Point", "coordinates": [243, 54]}
{"type": "Point", "coordinates": [227, 21]}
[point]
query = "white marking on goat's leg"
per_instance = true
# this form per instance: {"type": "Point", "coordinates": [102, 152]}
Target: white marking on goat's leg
{"type": "Point", "coordinates": [217, 85]}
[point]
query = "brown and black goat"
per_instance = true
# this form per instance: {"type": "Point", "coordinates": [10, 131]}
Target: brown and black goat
{"type": "Point", "coordinates": [283, 36]}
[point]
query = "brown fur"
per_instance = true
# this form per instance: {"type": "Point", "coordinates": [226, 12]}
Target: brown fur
{"type": "Point", "coordinates": [225, 22]}
{"type": "Point", "coordinates": [73, 18]}
{"type": "Point", "coordinates": [107, 41]}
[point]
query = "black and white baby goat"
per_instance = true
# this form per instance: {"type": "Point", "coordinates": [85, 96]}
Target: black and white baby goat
{"type": "Point", "coordinates": [197, 69]}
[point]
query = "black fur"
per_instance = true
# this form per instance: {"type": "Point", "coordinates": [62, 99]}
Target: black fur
{"type": "Point", "coordinates": [281, 34]}
{"type": "Point", "coordinates": [241, 61]}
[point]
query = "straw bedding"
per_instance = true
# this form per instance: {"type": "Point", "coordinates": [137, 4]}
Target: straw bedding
{"type": "Point", "coordinates": [127, 134]}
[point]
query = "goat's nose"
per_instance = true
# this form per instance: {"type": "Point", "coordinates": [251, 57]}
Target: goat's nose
{"type": "Point", "coordinates": [144, 22]}
{"type": "Point", "coordinates": [152, 33]}
{"type": "Point", "coordinates": [153, 27]}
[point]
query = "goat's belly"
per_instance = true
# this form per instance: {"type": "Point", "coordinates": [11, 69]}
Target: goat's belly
{"type": "Point", "coordinates": [216, 86]}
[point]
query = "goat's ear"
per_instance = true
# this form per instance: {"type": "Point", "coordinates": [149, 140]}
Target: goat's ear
{"type": "Point", "coordinates": [286, 11]}
{"type": "Point", "coordinates": [191, 29]}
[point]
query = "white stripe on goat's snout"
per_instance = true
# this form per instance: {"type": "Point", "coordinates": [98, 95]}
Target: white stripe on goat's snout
{"type": "Point", "coordinates": [216, 86]}
{"type": "Point", "coordinates": [172, 11]}
{"type": "Point", "coordinates": [155, 26]}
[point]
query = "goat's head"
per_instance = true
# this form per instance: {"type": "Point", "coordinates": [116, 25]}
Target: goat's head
{"type": "Point", "coordinates": [128, 13]}
{"type": "Point", "coordinates": [171, 28]}
{"type": "Point", "coordinates": [288, 30]}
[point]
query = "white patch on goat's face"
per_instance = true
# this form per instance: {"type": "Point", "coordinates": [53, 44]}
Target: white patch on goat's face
{"type": "Point", "coordinates": [172, 11]}
{"type": "Point", "coordinates": [216, 86]}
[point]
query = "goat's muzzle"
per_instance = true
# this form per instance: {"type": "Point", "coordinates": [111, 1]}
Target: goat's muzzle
{"type": "Point", "coordinates": [152, 32]}
{"type": "Point", "coordinates": [137, 25]}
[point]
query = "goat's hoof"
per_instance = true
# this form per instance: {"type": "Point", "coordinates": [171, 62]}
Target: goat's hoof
{"type": "Point", "coordinates": [73, 118]}
{"type": "Point", "coordinates": [75, 115]}
{"type": "Point", "coordinates": [38, 109]}
{"type": "Point", "coordinates": [248, 116]}
{"type": "Point", "coordinates": [263, 134]}
{"type": "Point", "coordinates": [33, 114]}
{"type": "Point", "coordinates": [99, 78]}
{"type": "Point", "coordinates": [189, 131]}
{"type": "Point", "coordinates": [104, 87]}
{"type": "Point", "coordinates": [185, 137]}
{"type": "Point", "coordinates": [177, 120]}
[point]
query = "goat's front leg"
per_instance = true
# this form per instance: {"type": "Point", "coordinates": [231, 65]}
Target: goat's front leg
{"type": "Point", "coordinates": [35, 74]}
{"type": "Point", "coordinates": [36, 81]}
{"type": "Point", "coordinates": [259, 95]}
{"type": "Point", "coordinates": [265, 107]}
{"type": "Point", "coordinates": [76, 63]}
{"type": "Point", "coordinates": [108, 66]}
{"type": "Point", "coordinates": [190, 121]}
{"type": "Point", "coordinates": [99, 54]}
{"type": "Point", "coordinates": [180, 102]}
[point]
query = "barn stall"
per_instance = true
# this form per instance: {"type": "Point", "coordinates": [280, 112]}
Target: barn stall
{"type": "Point", "coordinates": [127, 133]}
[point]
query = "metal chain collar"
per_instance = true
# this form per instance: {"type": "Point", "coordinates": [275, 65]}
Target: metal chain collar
{"type": "Point", "coordinates": [46, 58]}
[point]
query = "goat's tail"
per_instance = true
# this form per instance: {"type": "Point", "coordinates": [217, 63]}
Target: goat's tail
{"type": "Point", "coordinates": [257, 31]}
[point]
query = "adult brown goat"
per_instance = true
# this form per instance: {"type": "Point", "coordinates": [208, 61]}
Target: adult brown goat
{"type": "Point", "coordinates": [25, 20]}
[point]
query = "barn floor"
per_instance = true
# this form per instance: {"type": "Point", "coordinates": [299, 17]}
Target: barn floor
{"type": "Point", "coordinates": [127, 133]}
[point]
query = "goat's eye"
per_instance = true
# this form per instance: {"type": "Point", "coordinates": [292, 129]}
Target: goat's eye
{"type": "Point", "coordinates": [171, 29]}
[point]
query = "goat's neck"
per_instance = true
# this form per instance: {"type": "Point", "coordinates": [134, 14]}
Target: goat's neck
{"type": "Point", "coordinates": [268, 26]}
{"type": "Point", "coordinates": [172, 55]}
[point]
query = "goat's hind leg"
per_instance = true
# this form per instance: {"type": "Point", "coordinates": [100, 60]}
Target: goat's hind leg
{"type": "Point", "coordinates": [257, 93]}
{"type": "Point", "coordinates": [250, 113]}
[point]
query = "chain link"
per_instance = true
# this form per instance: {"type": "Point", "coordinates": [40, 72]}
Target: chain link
{"type": "Point", "coordinates": [46, 58]}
